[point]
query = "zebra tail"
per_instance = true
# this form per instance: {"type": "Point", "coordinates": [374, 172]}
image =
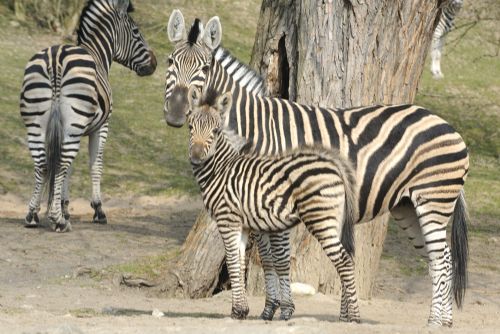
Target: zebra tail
{"type": "Point", "coordinates": [53, 142]}
{"type": "Point", "coordinates": [459, 249]}
{"type": "Point", "coordinates": [350, 205]}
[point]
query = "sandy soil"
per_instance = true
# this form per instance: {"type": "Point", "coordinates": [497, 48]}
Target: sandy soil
{"type": "Point", "coordinates": [42, 291]}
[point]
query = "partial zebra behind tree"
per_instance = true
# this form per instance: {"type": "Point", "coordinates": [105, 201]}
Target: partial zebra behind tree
{"type": "Point", "coordinates": [248, 192]}
{"type": "Point", "coordinates": [445, 24]}
{"type": "Point", "coordinates": [406, 160]}
{"type": "Point", "coordinates": [66, 94]}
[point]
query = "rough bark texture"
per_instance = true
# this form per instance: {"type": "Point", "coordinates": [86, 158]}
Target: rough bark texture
{"type": "Point", "coordinates": [329, 53]}
{"type": "Point", "coordinates": [341, 54]}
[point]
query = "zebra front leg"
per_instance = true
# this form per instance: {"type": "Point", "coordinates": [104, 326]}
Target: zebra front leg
{"type": "Point", "coordinates": [32, 219]}
{"type": "Point", "coordinates": [231, 233]}
{"type": "Point", "coordinates": [280, 246]}
{"type": "Point", "coordinates": [270, 276]}
{"type": "Point", "coordinates": [97, 140]}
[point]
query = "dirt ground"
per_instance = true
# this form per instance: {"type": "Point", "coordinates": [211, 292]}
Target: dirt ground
{"type": "Point", "coordinates": [42, 289]}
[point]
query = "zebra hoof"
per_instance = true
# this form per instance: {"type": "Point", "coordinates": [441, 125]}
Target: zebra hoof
{"type": "Point", "coordinates": [287, 311]}
{"type": "Point", "coordinates": [269, 310]}
{"type": "Point", "coordinates": [31, 220]}
{"type": "Point", "coordinates": [99, 216]}
{"type": "Point", "coordinates": [62, 227]}
{"type": "Point", "coordinates": [100, 221]}
{"type": "Point", "coordinates": [239, 313]}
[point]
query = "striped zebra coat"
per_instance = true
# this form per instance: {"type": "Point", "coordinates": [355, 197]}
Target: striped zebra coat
{"type": "Point", "coordinates": [66, 95]}
{"type": "Point", "coordinates": [271, 194]}
{"type": "Point", "coordinates": [406, 160]}
{"type": "Point", "coordinates": [445, 24]}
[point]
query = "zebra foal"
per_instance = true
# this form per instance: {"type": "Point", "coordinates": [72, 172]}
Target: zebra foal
{"type": "Point", "coordinates": [247, 192]}
{"type": "Point", "coordinates": [66, 94]}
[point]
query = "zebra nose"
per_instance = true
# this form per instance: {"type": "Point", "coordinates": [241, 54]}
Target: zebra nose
{"type": "Point", "coordinates": [150, 68]}
{"type": "Point", "coordinates": [196, 154]}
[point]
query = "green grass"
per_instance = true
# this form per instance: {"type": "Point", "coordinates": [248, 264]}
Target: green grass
{"type": "Point", "coordinates": [148, 267]}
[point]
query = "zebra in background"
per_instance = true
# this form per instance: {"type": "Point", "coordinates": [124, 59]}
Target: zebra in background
{"type": "Point", "coordinates": [406, 160]}
{"type": "Point", "coordinates": [66, 94]}
{"type": "Point", "coordinates": [249, 192]}
{"type": "Point", "coordinates": [445, 24]}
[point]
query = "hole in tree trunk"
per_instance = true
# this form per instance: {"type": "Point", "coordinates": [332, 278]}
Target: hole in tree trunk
{"type": "Point", "coordinates": [284, 69]}
{"type": "Point", "coordinates": [223, 282]}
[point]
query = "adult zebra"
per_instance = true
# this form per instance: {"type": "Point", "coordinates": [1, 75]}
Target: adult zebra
{"type": "Point", "coordinates": [407, 161]}
{"type": "Point", "coordinates": [66, 94]}
{"type": "Point", "coordinates": [247, 192]}
{"type": "Point", "coordinates": [445, 24]}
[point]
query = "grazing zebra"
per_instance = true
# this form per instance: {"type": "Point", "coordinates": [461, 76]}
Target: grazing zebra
{"type": "Point", "coordinates": [445, 24]}
{"type": "Point", "coordinates": [406, 160]}
{"type": "Point", "coordinates": [245, 193]}
{"type": "Point", "coordinates": [66, 94]}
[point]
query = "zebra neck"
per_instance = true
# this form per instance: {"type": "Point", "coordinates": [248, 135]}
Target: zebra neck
{"type": "Point", "coordinates": [217, 164]}
{"type": "Point", "coordinates": [97, 37]}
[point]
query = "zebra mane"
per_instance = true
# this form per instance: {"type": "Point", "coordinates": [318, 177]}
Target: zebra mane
{"type": "Point", "coordinates": [85, 13]}
{"type": "Point", "coordinates": [240, 72]}
{"type": "Point", "coordinates": [194, 32]}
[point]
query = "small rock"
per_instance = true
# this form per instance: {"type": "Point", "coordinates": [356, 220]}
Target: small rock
{"type": "Point", "coordinates": [14, 24]}
{"type": "Point", "coordinates": [302, 289]}
{"type": "Point", "coordinates": [157, 313]}
{"type": "Point", "coordinates": [80, 271]}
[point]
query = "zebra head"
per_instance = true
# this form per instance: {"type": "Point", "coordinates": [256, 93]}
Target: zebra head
{"type": "Point", "coordinates": [206, 120]}
{"type": "Point", "coordinates": [188, 64]}
{"type": "Point", "coordinates": [131, 50]}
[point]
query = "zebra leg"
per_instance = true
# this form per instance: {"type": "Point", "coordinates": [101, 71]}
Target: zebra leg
{"type": "Point", "coordinates": [326, 232]}
{"type": "Point", "coordinates": [232, 236]}
{"type": "Point", "coordinates": [32, 219]}
{"type": "Point", "coordinates": [436, 50]}
{"type": "Point", "coordinates": [433, 218]}
{"type": "Point", "coordinates": [65, 194]}
{"type": "Point", "coordinates": [57, 220]}
{"type": "Point", "coordinates": [280, 246]}
{"type": "Point", "coordinates": [270, 276]}
{"type": "Point", "coordinates": [97, 140]}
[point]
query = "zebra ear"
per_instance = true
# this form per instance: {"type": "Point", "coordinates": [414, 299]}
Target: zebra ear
{"type": "Point", "coordinates": [224, 103]}
{"type": "Point", "coordinates": [194, 96]}
{"type": "Point", "coordinates": [176, 28]}
{"type": "Point", "coordinates": [212, 34]}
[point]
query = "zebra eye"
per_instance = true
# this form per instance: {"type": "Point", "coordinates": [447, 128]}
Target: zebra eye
{"type": "Point", "coordinates": [216, 131]}
{"type": "Point", "coordinates": [190, 127]}
{"type": "Point", "coordinates": [170, 61]}
{"type": "Point", "coordinates": [205, 68]}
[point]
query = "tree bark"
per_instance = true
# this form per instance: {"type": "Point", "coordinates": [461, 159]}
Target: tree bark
{"type": "Point", "coordinates": [333, 53]}
{"type": "Point", "coordinates": [341, 53]}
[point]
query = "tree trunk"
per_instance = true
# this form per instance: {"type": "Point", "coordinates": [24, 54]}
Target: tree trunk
{"type": "Point", "coordinates": [341, 54]}
{"type": "Point", "coordinates": [334, 53]}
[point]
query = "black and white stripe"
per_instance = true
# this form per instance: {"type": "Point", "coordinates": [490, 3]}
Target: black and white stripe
{"type": "Point", "coordinates": [407, 161]}
{"type": "Point", "coordinates": [66, 95]}
{"type": "Point", "coordinates": [445, 24]}
{"type": "Point", "coordinates": [244, 193]}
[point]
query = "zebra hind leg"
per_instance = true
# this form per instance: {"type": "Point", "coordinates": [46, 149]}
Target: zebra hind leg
{"type": "Point", "coordinates": [65, 194]}
{"type": "Point", "coordinates": [270, 276]}
{"type": "Point", "coordinates": [97, 140]}
{"type": "Point", "coordinates": [280, 245]}
{"type": "Point", "coordinates": [433, 218]}
{"type": "Point", "coordinates": [32, 219]}
{"type": "Point", "coordinates": [325, 230]}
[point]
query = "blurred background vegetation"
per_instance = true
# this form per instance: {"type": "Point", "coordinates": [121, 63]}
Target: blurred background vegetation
{"type": "Point", "coordinates": [144, 156]}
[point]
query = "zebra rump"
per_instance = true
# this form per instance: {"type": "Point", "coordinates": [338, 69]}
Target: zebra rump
{"type": "Point", "coordinates": [54, 139]}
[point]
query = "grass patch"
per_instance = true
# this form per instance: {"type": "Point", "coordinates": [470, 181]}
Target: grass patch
{"type": "Point", "coordinates": [84, 312]}
{"type": "Point", "coordinates": [147, 268]}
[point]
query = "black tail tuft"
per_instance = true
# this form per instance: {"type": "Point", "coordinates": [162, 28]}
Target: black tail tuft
{"type": "Point", "coordinates": [53, 142]}
{"type": "Point", "coordinates": [459, 250]}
